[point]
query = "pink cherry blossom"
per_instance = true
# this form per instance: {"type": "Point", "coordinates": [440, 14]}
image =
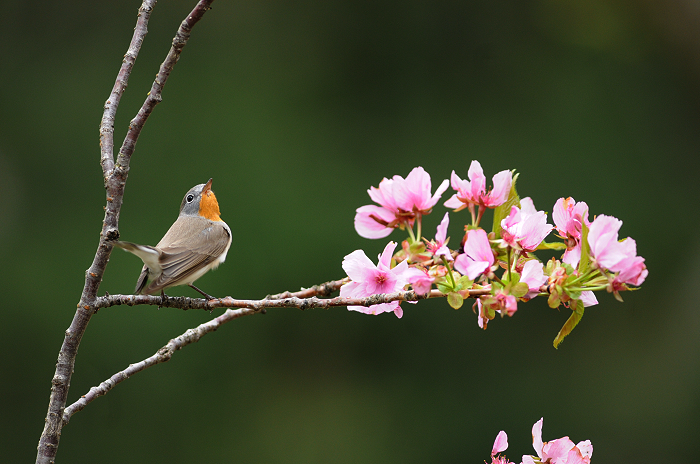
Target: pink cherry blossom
{"type": "Point", "coordinates": [559, 451]}
{"type": "Point", "coordinates": [533, 276]}
{"type": "Point", "coordinates": [473, 191]}
{"type": "Point", "coordinates": [617, 256]}
{"type": "Point", "coordinates": [477, 256]}
{"type": "Point", "coordinates": [632, 271]}
{"type": "Point", "coordinates": [507, 302]}
{"type": "Point", "coordinates": [368, 279]}
{"type": "Point", "coordinates": [606, 251]}
{"type": "Point", "coordinates": [572, 255]}
{"type": "Point", "coordinates": [439, 246]}
{"type": "Point", "coordinates": [419, 280]}
{"type": "Point", "coordinates": [568, 218]}
{"type": "Point", "coordinates": [487, 305]}
{"type": "Point", "coordinates": [399, 200]}
{"type": "Point", "coordinates": [525, 227]}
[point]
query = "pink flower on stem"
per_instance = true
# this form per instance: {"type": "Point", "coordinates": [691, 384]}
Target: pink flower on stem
{"type": "Point", "coordinates": [617, 256]}
{"type": "Point", "coordinates": [559, 451]}
{"type": "Point", "coordinates": [477, 257]}
{"type": "Point", "coordinates": [419, 280]}
{"type": "Point", "coordinates": [632, 271]}
{"type": "Point", "coordinates": [533, 276]}
{"type": "Point", "coordinates": [368, 279]}
{"type": "Point", "coordinates": [568, 218]}
{"type": "Point", "coordinates": [488, 306]}
{"type": "Point", "coordinates": [525, 228]}
{"type": "Point", "coordinates": [439, 246]}
{"type": "Point", "coordinates": [473, 191]}
{"type": "Point", "coordinates": [606, 251]}
{"type": "Point", "coordinates": [400, 202]}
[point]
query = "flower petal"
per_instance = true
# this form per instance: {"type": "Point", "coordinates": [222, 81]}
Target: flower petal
{"type": "Point", "coordinates": [588, 298]}
{"type": "Point", "coordinates": [501, 443]}
{"type": "Point", "coordinates": [368, 227]}
{"type": "Point", "coordinates": [358, 266]}
{"type": "Point", "coordinates": [385, 257]}
{"type": "Point", "coordinates": [502, 183]}
{"type": "Point", "coordinates": [537, 437]}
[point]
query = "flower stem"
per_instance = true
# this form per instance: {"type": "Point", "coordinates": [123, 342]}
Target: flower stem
{"type": "Point", "coordinates": [510, 277]}
{"type": "Point", "coordinates": [480, 213]}
{"type": "Point", "coordinates": [449, 273]}
{"type": "Point", "coordinates": [419, 218]}
{"type": "Point", "coordinates": [410, 232]}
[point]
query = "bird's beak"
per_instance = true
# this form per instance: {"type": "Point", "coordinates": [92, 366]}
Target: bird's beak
{"type": "Point", "coordinates": [207, 187]}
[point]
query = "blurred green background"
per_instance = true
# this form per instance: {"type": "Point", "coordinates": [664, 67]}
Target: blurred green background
{"type": "Point", "coordinates": [296, 109]}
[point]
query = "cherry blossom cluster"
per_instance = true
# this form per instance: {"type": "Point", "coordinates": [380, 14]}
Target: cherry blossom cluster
{"type": "Point", "coordinates": [502, 261]}
{"type": "Point", "coordinates": [559, 451]}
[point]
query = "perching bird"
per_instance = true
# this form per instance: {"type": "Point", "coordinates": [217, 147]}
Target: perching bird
{"type": "Point", "coordinates": [196, 243]}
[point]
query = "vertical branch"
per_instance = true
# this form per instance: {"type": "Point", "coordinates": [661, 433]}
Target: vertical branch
{"type": "Point", "coordinates": [112, 103]}
{"type": "Point", "coordinates": [154, 96]}
{"type": "Point", "coordinates": [115, 179]}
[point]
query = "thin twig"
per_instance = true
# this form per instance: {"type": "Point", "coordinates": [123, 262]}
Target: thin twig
{"type": "Point", "coordinates": [115, 180]}
{"type": "Point", "coordinates": [162, 355]}
{"type": "Point", "coordinates": [244, 308]}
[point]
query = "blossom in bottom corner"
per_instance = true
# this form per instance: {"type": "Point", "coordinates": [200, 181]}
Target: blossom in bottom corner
{"type": "Point", "coordinates": [368, 279]}
{"type": "Point", "coordinates": [559, 451]}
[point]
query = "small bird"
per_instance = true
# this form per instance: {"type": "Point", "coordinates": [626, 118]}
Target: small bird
{"type": "Point", "coordinates": [196, 243]}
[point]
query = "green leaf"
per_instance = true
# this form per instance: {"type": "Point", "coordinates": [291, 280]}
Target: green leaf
{"type": "Point", "coordinates": [551, 246]}
{"type": "Point", "coordinates": [573, 294]}
{"type": "Point", "coordinates": [455, 300]}
{"type": "Point", "coordinates": [554, 300]}
{"type": "Point", "coordinates": [585, 250]}
{"type": "Point", "coordinates": [464, 282]}
{"type": "Point", "coordinates": [569, 325]}
{"type": "Point", "coordinates": [417, 248]}
{"type": "Point", "coordinates": [519, 290]}
{"type": "Point", "coordinates": [444, 287]}
{"type": "Point", "coordinates": [502, 212]}
{"type": "Point", "coordinates": [511, 277]}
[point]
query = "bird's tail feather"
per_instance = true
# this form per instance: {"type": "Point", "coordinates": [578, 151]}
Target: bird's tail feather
{"type": "Point", "coordinates": [148, 254]}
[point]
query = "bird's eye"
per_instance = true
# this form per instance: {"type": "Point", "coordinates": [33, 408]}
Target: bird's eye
{"type": "Point", "coordinates": [190, 197]}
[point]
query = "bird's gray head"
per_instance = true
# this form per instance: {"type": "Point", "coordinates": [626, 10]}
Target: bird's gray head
{"type": "Point", "coordinates": [200, 201]}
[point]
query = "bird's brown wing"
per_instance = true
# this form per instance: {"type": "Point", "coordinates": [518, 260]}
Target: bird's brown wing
{"type": "Point", "coordinates": [190, 244]}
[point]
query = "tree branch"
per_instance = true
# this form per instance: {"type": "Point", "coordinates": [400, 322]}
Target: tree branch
{"type": "Point", "coordinates": [244, 308]}
{"type": "Point", "coordinates": [324, 289]}
{"type": "Point", "coordinates": [114, 180]}
{"type": "Point", "coordinates": [112, 103]}
{"type": "Point", "coordinates": [291, 301]}
{"type": "Point", "coordinates": [154, 96]}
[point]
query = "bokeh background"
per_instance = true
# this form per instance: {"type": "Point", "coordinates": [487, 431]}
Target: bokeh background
{"type": "Point", "coordinates": [296, 109]}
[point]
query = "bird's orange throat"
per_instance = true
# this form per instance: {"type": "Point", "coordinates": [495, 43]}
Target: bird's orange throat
{"type": "Point", "coordinates": [209, 207]}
